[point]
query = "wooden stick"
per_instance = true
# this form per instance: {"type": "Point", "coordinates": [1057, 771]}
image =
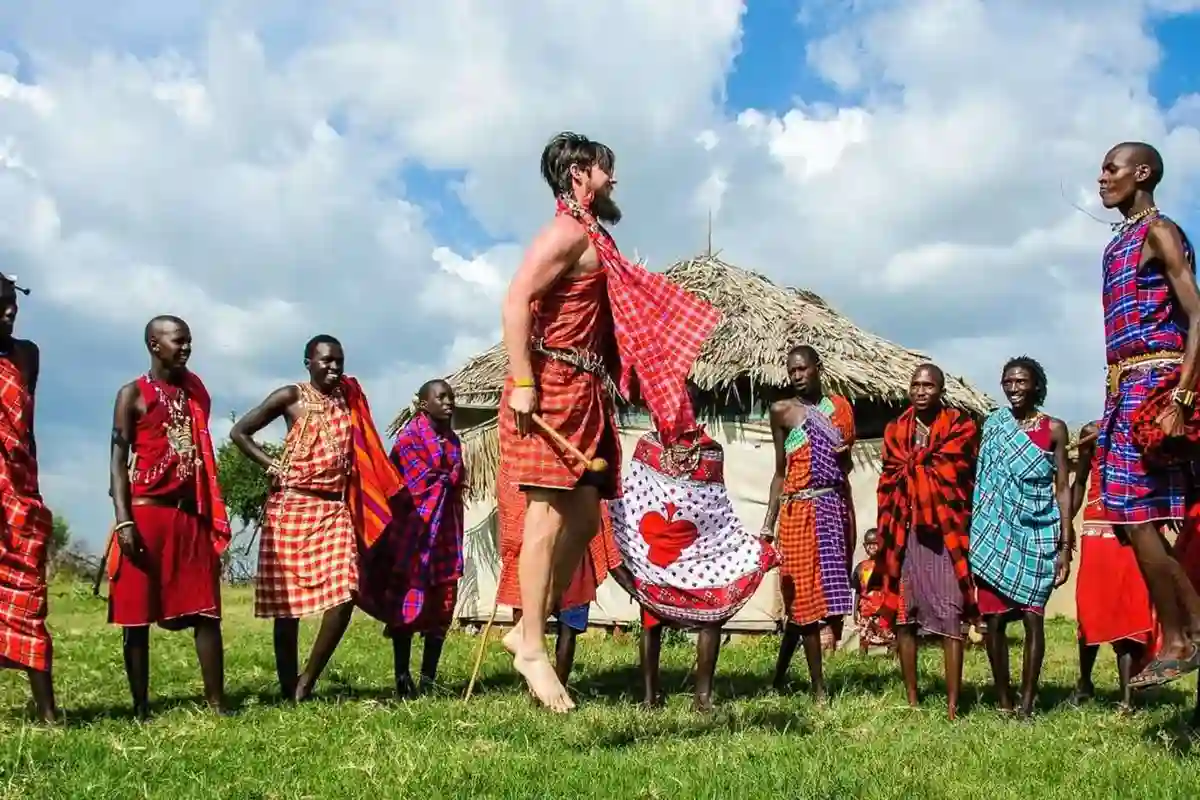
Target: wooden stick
{"type": "Point", "coordinates": [592, 464]}
{"type": "Point", "coordinates": [487, 629]}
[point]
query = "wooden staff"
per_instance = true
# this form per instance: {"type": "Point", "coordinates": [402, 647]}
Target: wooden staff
{"type": "Point", "coordinates": [592, 464]}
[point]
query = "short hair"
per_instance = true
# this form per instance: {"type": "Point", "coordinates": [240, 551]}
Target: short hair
{"type": "Point", "coordinates": [153, 325]}
{"type": "Point", "coordinates": [427, 387]}
{"type": "Point", "coordinates": [1035, 370]}
{"type": "Point", "coordinates": [933, 368]}
{"type": "Point", "coordinates": [808, 351]}
{"type": "Point", "coordinates": [1146, 154]}
{"type": "Point", "coordinates": [568, 150]}
{"type": "Point", "coordinates": [320, 338]}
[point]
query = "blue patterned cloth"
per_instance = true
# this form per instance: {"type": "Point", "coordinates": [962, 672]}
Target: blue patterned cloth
{"type": "Point", "coordinates": [575, 618]}
{"type": "Point", "coordinates": [1015, 522]}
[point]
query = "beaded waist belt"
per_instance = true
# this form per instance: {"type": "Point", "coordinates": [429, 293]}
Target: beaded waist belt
{"type": "Point", "coordinates": [807, 494]}
{"type": "Point", "coordinates": [1134, 363]}
{"type": "Point", "coordinates": [582, 359]}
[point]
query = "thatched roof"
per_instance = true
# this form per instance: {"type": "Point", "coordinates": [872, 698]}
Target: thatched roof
{"type": "Point", "coordinates": [760, 322]}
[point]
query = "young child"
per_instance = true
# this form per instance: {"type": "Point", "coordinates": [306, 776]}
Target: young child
{"type": "Point", "coordinates": [870, 634]}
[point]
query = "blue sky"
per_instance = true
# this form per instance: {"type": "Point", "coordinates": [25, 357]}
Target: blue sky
{"type": "Point", "coordinates": [274, 170]}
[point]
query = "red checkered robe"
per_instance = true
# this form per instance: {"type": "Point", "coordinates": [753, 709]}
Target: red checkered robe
{"type": "Point", "coordinates": [25, 530]}
{"type": "Point", "coordinates": [308, 556]}
{"type": "Point", "coordinates": [181, 577]}
{"type": "Point", "coordinates": [602, 554]}
{"type": "Point", "coordinates": [929, 486]}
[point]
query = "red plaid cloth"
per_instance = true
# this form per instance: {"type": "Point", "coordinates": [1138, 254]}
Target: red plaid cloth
{"type": "Point", "coordinates": [659, 328]}
{"type": "Point", "coordinates": [373, 478]}
{"type": "Point", "coordinates": [1147, 434]}
{"type": "Point", "coordinates": [308, 556]}
{"type": "Point", "coordinates": [25, 530]}
{"type": "Point", "coordinates": [422, 549]}
{"type": "Point", "coordinates": [929, 487]}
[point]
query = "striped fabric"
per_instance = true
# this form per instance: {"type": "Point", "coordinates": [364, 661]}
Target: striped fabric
{"type": "Point", "coordinates": [1015, 521]}
{"type": "Point", "coordinates": [1141, 317]}
{"type": "Point", "coordinates": [373, 478]}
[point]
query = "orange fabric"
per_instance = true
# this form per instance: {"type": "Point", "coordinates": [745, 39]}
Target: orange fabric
{"type": "Point", "coordinates": [373, 477]}
{"type": "Point", "coordinates": [601, 556]}
{"type": "Point", "coordinates": [800, 573]}
{"type": "Point", "coordinates": [574, 314]}
{"type": "Point", "coordinates": [25, 530]}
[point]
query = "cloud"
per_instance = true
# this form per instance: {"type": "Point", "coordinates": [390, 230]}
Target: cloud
{"type": "Point", "coordinates": [251, 168]}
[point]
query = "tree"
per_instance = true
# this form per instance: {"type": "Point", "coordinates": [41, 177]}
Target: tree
{"type": "Point", "coordinates": [244, 483]}
{"type": "Point", "coordinates": [60, 536]}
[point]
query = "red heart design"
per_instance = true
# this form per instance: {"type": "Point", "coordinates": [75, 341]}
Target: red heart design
{"type": "Point", "coordinates": [667, 537]}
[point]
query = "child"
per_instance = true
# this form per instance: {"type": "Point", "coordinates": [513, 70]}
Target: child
{"type": "Point", "coordinates": [866, 605]}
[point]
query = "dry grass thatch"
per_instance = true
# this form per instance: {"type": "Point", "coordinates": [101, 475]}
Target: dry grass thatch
{"type": "Point", "coordinates": [760, 322]}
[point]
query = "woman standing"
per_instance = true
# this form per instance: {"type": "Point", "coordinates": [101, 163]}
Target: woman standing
{"type": "Point", "coordinates": [810, 500]}
{"type": "Point", "coordinates": [410, 578]}
{"type": "Point", "coordinates": [1021, 533]}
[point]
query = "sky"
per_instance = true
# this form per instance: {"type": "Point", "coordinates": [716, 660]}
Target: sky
{"type": "Point", "coordinates": [368, 168]}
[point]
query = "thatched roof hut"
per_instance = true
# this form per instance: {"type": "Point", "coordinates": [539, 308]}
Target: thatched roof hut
{"type": "Point", "coordinates": [740, 368]}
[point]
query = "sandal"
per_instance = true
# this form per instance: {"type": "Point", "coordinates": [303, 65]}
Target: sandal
{"type": "Point", "coordinates": [1162, 671]}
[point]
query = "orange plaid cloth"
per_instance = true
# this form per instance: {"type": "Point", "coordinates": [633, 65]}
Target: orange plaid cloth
{"type": "Point", "coordinates": [308, 556]}
{"type": "Point", "coordinates": [601, 556]}
{"type": "Point", "coordinates": [25, 529]}
{"type": "Point", "coordinates": [373, 478]}
{"type": "Point", "coordinates": [814, 586]}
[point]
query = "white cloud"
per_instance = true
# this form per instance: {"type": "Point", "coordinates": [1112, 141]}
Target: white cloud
{"type": "Point", "coordinates": [238, 164]}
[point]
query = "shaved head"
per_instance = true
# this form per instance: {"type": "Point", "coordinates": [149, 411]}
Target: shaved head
{"type": "Point", "coordinates": [1143, 155]}
{"type": "Point", "coordinates": [935, 374]}
{"type": "Point", "coordinates": [156, 326]}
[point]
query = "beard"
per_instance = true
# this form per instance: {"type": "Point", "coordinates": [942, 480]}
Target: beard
{"type": "Point", "coordinates": [605, 210]}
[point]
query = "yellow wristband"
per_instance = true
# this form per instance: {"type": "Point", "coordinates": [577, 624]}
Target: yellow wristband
{"type": "Point", "coordinates": [523, 383]}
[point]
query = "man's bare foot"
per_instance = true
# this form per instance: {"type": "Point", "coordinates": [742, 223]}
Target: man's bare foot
{"type": "Point", "coordinates": [543, 682]}
{"type": "Point", "coordinates": [818, 696]}
{"type": "Point", "coordinates": [512, 639]}
{"type": "Point", "coordinates": [703, 704]}
{"type": "Point", "coordinates": [652, 703]}
{"type": "Point", "coordinates": [304, 689]}
{"type": "Point", "coordinates": [952, 713]}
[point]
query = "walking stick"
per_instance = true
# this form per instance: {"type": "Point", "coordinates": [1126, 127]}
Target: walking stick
{"type": "Point", "coordinates": [487, 629]}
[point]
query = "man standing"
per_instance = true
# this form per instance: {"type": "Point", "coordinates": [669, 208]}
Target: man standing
{"type": "Point", "coordinates": [576, 312]}
{"type": "Point", "coordinates": [924, 496]}
{"type": "Point", "coordinates": [171, 525]}
{"type": "Point", "coordinates": [1152, 337]}
{"type": "Point", "coordinates": [25, 522]}
{"type": "Point", "coordinates": [332, 486]}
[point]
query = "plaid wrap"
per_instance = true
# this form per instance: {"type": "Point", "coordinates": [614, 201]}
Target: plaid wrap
{"type": "Point", "coordinates": [307, 558]}
{"type": "Point", "coordinates": [373, 479]}
{"type": "Point", "coordinates": [816, 516]}
{"type": "Point", "coordinates": [25, 529]}
{"type": "Point", "coordinates": [1141, 318]}
{"type": "Point", "coordinates": [925, 487]}
{"type": "Point", "coordinates": [421, 552]}
{"type": "Point", "coordinates": [1016, 522]}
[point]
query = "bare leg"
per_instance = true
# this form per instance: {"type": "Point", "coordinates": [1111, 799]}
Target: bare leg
{"type": "Point", "coordinates": [1084, 689]}
{"type": "Point", "coordinates": [210, 651]}
{"type": "Point", "coordinates": [543, 525]}
{"type": "Point", "coordinates": [136, 650]}
{"type": "Point", "coordinates": [708, 649]}
{"type": "Point", "coordinates": [651, 651]}
{"type": "Point", "coordinates": [431, 655]}
{"type": "Point", "coordinates": [41, 686]}
{"type": "Point", "coordinates": [787, 649]}
{"type": "Point", "coordinates": [952, 657]}
{"type": "Point", "coordinates": [1128, 653]}
{"type": "Point", "coordinates": [906, 648]}
{"type": "Point", "coordinates": [287, 658]}
{"type": "Point", "coordinates": [401, 656]}
{"type": "Point", "coordinates": [1031, 666]}
{"type": "Point", "coordinates": [996, 640]}
{"type": "Point", "coordinates": [333, 626]}
{"type": "Point", "coordinates": [564, 652]}
{"type": "Point", "coordinates": [1174, 598]}
{"type": "Point", "coordinates": [814, 654]}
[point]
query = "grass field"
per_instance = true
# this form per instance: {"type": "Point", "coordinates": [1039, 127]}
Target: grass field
{"type": "Point", "coordinates": [355, 742]}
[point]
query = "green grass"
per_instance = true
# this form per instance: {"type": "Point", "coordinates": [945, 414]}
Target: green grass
{"type": "Point", "coordinates": [354, 742]}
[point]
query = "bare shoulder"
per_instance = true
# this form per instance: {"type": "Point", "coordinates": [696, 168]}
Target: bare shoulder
{"type": "Point", "coordinates": [780, 408]}
{"type": "Point", "coordinates": [1164, 236]}
{"type": "Point", "coordinates": [27, 349]}
{"type": "Point", "coordinates": [1058, 429]}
